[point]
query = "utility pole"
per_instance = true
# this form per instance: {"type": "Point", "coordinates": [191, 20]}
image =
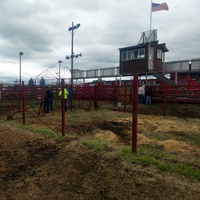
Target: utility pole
{"type": "Point", "coordinates": [59, 71]}
{"type": "Point", "coordinates": [20, 73]}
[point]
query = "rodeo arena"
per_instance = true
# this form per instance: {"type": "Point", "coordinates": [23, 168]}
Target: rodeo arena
{"type": "Point", "coordinates": [175, 82]}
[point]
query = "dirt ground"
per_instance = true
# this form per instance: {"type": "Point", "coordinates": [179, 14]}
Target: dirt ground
{"type": "Point", "coordinates": [37, 166]}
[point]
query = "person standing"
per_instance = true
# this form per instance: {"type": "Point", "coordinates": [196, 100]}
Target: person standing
{"type": "Point", "coordinates": [46, 100]}
{"type": "Point", "coordinates": [66, 93]}
{"type": "Point", "coordinates": [148, 94]}
{"type": "Point", "coordinates": [141, 94]}
{"type": "Point", "coordinates": [69, 97]}
{"type": "Point", "coordinates": [50, 97]}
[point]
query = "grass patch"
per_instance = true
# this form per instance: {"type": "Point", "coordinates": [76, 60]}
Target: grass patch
{"type": "Point", "coordinates": [149, 160]}
{"type": "Point", "coordinates": [192, 138]}
{"type": "Point", "coordinates": [195, 139]}
{"type": "Point", "coordinates": [71, 135]}
{"type": "Point", "coordinates": [96, 144]}
{"type": "Point", "coordinates": [74, 116]}
{"type": "Point", "coordinates": [38, 130]}
{"type": "Point", "coordinates": [147, 149]}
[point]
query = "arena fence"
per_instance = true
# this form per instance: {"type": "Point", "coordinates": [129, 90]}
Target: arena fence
{"type": "Point", "coordinates": [31, 98]}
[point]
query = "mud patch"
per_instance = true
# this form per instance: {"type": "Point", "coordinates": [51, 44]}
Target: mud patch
{"type": "Point", "coordinates": [105, 135]}
{"type": "Point", "coordinates": [109, 130]}
{"type": "Point", "coordinates": [25, 159]}
{"type": "Point", "coordinates": [35, 166]}
{"type": "Point", "coordinates": [170, 145]}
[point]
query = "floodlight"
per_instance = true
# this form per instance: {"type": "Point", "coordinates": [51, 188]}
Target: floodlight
{"type": "Point", "coordinates": [72, 56]}
{"type": "Point", "coordinates": [78, 25]}
{"type": "Point", "coordinates": [20, 73]}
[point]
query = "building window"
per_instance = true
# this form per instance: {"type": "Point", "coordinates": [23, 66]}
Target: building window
{"type": "Point", "coordinates": [129, 55]}
{"type": "Point", "coordinates": [159, 53]}
{"type": "Point", "coordinates": [138, 53]}
{"type": "Point", "coordinates": [141, 53]}
{"type": "Point", "coordinates": [123, 55]}
{"type": "Point", "coordinates": [133, 54]}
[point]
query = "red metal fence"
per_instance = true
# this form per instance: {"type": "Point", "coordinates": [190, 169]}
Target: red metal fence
{"type": "Point", "coordinates": [93, 96]}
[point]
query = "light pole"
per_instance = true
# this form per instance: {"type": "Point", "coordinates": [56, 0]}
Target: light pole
{"type": "Point", "coordinates": [59, 71]}
{"type": "Point", "coordinates": [20, 73]}
{"type": "Point", "coordinates": [72, 56]}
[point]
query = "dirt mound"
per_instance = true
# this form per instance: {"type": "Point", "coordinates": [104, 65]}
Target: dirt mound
{"type": "Point", "coordinates": [38, 167]}
{"type": "Point", "coordinates": [173, 145]}
{"type": "Point", "coordinates": [170, 145]}
{"type": "Point", "coordinates": [108, 130]}
{"type": "Point", "coordinates": [105, 135]}
{"type": "Point", "coordinates": [35, 167]}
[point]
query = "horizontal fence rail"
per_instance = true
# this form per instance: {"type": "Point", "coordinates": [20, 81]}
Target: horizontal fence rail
{"type": "Point", "coordinates": [95, 96]}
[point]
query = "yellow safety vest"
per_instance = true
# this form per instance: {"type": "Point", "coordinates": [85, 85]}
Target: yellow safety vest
{"type": "Point", "coordinates": [66, 93]}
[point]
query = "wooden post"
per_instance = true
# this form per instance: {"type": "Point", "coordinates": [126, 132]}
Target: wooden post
{"type": "Point", "coordinates": [135, 114]}
{"type": "Point", "coordinates": [23, 101]}
{"type": "Point", "coordinates": [165, 100]}
{"type": "Point", "coordinates": [63, 109]}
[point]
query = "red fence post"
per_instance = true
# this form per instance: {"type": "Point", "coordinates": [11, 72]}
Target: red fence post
{"type": "Point", "coordinates": [63, 109]}
{"type": "Point", "coordinates": [116, 94]}
{"type": "Point", "coordinates": [135, 113]}
{"type": "Point", "coordinates": [23, 101]}
{"type": "Point", "coordinates": [89, 97]}
{"type": "Point", "coordinates": [1, 88]}
{"type": "Point", "coordinates": [42, 99]}
{"type": "Point", "coordinates": [19, 98]}
{"type": "Point", "coordinates": [125, 97]}
{"type": "Point", "coordinates": [71, 95]}
{"type": "Point", "coordinates": [165, 100]}
{"type": "Point", "coordinates": [95, 97]}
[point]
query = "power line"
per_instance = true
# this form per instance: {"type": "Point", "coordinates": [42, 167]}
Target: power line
{"type": "Point", "coordinates": [190, 2]}
{"type": "Point", "coordinates": [187, 40]}
{"type": "Point", "coordinates": [133, 19]}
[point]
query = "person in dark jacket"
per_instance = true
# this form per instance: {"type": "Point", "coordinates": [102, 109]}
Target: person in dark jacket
{"type": "Point", "coordinates": [148, 94]}
{"type": "Point", "coordinates": [48, 102]}
{"type": "Point", "coordinates": [50, 97]}
{"type": "Point", "coordinates": [69, 97]}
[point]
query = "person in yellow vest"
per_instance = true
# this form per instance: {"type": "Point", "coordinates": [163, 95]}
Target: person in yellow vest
{"type": "Point", "coordinates": [66, 93]}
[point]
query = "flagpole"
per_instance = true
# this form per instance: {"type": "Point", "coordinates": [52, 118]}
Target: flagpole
{"type": "Point", "coordinates": [149, 46]}
{"type": "Point", "coordinates": [150, 15]}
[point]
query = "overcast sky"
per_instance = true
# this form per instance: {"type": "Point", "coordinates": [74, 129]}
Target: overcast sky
{"type": "Point", "coordinates": [39, 28]}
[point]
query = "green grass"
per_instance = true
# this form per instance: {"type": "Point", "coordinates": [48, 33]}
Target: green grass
{"type": "Point", "coordinates": [39, 130]}
{"type": "Point", "coordinates": [96, 115]}
{"type": "Point", "coordinates": [71, 135]}
{"type": "Point", "coordinates": [96, 144]}
{"type": "Point", "coordinates": [148, 155]}
{"type": "Point", "coordinates": [74, 116]}
{"type": "Point", "coordinates": [150, 150]}
{"type": "Point", "coordinates": [191, 138]}
{"type": "Point", "coordinates": [166, 165]}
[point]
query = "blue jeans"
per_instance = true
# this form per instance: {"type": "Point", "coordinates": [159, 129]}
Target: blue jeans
{"type": "Point", "coordinates": [148, 100]}
{"type": "Point", "coordinates": [140, 98]}
{"type": "Point", "coordinates": [46, 105]}
{"type": "Point", "coordinates": [68, 102]}
{"type": "Point", "coordinates": [51, 103]}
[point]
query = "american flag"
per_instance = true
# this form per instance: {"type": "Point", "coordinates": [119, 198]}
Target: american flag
{"type": "Point", "coordinates": [159, 6]}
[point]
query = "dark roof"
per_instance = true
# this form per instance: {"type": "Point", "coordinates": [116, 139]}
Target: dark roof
{"type": "Point", "coordinates": [162, 47]}
{"type": "Point", "coordinates": [139, 46]}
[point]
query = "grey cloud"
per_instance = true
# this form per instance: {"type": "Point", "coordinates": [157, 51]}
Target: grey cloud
{"type": "Point", "coordinates": [39, 28]}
